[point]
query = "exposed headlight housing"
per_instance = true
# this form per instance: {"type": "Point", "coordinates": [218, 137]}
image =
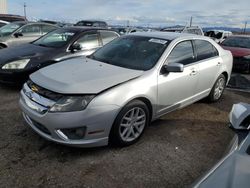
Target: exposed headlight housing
{"type": "Point", "coordinates": [19, 64]}
{"type": "Point", "coordinates": [72, 103]}
{"type": "Point", "coordinates": [247, 57]}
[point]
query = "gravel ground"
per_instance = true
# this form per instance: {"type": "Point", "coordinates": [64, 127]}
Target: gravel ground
{"type": "Point", "coordinates": [173, 152]}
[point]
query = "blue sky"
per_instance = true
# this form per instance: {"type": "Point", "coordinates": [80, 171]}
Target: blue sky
{"type": "Point", "coordinates": [230, 13]}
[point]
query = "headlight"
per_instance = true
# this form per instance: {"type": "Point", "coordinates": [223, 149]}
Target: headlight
{"type": "Point", "coordinates": [72, 103]}
{"type": "Point", "coordinates": [247, 57]}
{"type": "Point", "coordinates": [19, 64]}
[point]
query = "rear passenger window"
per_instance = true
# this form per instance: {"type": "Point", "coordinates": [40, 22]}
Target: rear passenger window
{"type": "Point", "coordinates": [107, 36]}
{"type": "Point", "coordinates": [205, 50]}
{"type": "Point", "coordinates": [183, 53]}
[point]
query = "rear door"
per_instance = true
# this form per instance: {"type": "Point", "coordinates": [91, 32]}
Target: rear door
{"type": "Point", "coordinates": [209, 64]}
{"type": "Point", "coordinates": [176, 90]}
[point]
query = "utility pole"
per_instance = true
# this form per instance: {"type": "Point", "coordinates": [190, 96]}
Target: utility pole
{"type": "Point", "coordinates": [191, 21]}
{"type": "Point", "coordinates": [128, 25]}
{"type": "Point", "coordinates": [245, 28]}
{"type": "Point", "coordinates": [24, 9]}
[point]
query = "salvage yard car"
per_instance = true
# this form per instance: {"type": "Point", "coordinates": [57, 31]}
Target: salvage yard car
{"type": "Point", "coordinates": [233, 170]}
{"type": "Point", "coordinates": [240, 48]}
{"type": "Point", "coordinates": [22, 32]}
{"type": "Point", "coordinates": [112, 95]}
{"type": "Point", "coordinates": [17, 63]}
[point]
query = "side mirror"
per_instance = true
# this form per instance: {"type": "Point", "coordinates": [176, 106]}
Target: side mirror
{"type": "Point", "coordinates": [172, 67]}
{"type": "Point", "coordinates": [240, 116]}
{"type": "Point", "coordinates": [75, 47]}
{"type": "Point", "coordinates": [18, 35]}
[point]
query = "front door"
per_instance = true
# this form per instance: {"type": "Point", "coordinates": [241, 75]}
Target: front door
{"type": "Point", "coordinates": [176, 90]}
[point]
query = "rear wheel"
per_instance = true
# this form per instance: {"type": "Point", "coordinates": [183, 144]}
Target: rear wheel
{"type": "Point", "coordinates": [130, 124]}
{"type": "Point", "coordinates": [217, 89]}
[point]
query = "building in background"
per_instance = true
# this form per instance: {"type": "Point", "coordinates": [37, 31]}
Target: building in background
{"type": "Point", "coordinates": [3, 7]}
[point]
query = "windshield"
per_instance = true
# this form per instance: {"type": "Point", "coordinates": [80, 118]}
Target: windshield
{"type": "Point", "coordinates": [55, 39]}
{"type": "Point", "coordinates": [9, 29]}
{"type": "Point", "coordinates": [241, 42]}
{"type": "Point", "coordinates": [133, 52]}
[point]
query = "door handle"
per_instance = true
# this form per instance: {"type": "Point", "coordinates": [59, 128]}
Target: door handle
{"type": "Point", "coordinates": [194, 72]}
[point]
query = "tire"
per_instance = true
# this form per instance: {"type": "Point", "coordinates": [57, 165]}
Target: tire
{"type": "Point", "coordinates": [218, 89]}
{"type": "Point", "coordinates": [2, 46]}
{"type": "Point", "coordinates": [129, 124]}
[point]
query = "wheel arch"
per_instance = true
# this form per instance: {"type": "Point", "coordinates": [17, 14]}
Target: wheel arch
{"type": "Point", "coordinates": [226, 75]}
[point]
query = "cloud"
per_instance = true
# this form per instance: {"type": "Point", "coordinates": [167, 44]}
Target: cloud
{"type": "Point", "coordinates": [140, 12]}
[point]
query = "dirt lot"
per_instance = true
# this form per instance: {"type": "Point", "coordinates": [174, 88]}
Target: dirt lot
{"type": "Point", "coordinates": [173, 152]}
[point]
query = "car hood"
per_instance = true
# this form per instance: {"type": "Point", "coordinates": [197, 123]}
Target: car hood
{"type": "Point", "coordinates": [23, 51]}
{"type": "Point", "coordinates": [238, 52]}
{"type": "Point", "coordinates": [82, 76]}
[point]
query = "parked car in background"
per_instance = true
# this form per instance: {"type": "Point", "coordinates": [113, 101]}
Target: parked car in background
{"type": "Point", "coordinates": [218, 35]}
{"type": "Point", "coordinates": [127, 30]}
{"type": "Point", "coordinates": [12, 18]}
{"type": "Point", "coordinates": [92, 23]}
{"type": "Point", "coordinates": [233, 170]}
{"type": "Point", "coordinates": [3, 23]}
{"type": "Point", "coordinates": [17, 33]}
{"type": "Point", "coordinates": [239, 45]}
{"type": "Point", "coordinates": [113, 94]}
{"type": "Point", "coordinates": [59, 24]}
{"type": "Point", "coordinates": [181, 29]}
{"type": "Point", "coordinates": [18, 62]}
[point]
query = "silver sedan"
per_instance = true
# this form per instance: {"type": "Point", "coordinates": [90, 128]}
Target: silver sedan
{"type": "Point", "coordinates": [114, 94]}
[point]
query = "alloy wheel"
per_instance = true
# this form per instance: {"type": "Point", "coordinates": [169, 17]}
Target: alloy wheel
{"type": "Point", "coordinates": [219, 88]}
{"type": "Point", "coordinates": [132, 124]}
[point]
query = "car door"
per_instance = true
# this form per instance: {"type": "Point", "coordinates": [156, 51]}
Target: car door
{"type": "Point", "coordinates": [209, 64]}
{"type": "Point", "coordinates": [176, 90]}
{"type": "Point", "coordinates": [89, 43]}
{"type": "Point", "coordinates": [28, 33]}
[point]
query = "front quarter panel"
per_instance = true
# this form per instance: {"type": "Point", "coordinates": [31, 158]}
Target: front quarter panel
{"type": "Point", "coordinates": [144, 86]}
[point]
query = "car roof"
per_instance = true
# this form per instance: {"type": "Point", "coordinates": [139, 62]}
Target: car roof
{"type": "Point", "coordinates": [166, 35]}
{"type": "Point", "coordinates": [85, 28]}
{"type": "Point", "coordinates": [99, 21]}
{"type": "Point", "coordinates": [29, 22]}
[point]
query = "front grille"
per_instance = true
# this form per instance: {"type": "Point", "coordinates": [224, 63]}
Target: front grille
{"type": "Point", "coordinates": [40, 127]}
{"type": "Point", "coordinates": [44, 92]}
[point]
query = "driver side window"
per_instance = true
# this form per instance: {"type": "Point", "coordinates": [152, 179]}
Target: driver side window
{"type": "Point", "coordinates": [89, 41]}
{"type": "Point", "coordinates": [31, 30]}
{"type": "Point", "coordinates": [182, 53]}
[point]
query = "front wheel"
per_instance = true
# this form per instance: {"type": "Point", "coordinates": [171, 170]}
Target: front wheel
{"type": "Point", "coordinates": [130, 124]}
{"type": "Point", "coordinates": [217, 89]}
